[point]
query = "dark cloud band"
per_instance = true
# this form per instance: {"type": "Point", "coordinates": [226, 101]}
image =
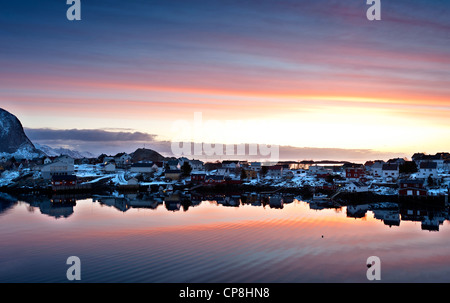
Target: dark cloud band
{"type": "Point", "coordinates": [86, 135]}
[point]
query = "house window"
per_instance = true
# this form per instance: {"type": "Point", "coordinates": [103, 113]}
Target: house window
{"type": "Point", "coordinates": [409, 192]}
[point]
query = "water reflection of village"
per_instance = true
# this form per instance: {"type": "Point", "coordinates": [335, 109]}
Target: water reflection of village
{"type": "Point", "coordinates": [391, 214]}
{"type": "Point", "coordinates": [178, 201]}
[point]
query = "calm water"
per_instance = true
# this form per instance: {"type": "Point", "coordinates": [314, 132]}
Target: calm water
{"type": "Point", "coordinates": [138, 240]}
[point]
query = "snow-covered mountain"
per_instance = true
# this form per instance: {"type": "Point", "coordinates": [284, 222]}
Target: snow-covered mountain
{"type": "Point", "coordinates": [13, 140]}
{"type": "Point", "coordinates": [54, 152]}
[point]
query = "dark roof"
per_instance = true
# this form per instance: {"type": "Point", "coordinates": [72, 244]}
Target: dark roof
{"type": "Point", "coordinates": [412, 181]}
{"type": "Point", "coordinates": [142, 165]}
{"type": "Point", "coordinates": [353, 168]}
{"type": "Point", "coordinates": [425, 165]}
{"type": "Point", "coordinates": [196, 162]}
{"type": "Point", "coordinates": [307, 162]}
{"type": "Point", "coordinates": [396, 160]}
{"type": "Point", "coordinates": [423, 157]}
{"type": "Point", "coordinates": [352, 165]}
{"type": "Point", "coordinates": [417, 156]}
{"type": "Point", "coordinates": [276, 167]}
{"type": "Point", "coordinates": [443, 155]}
{"type": "Point", "coordinates": [390, 166]}
{"type": "Point", "coordinates": [230, 162]}
{"type": "Point", "coordinates": [173, 171]}
{"type": "Point", "coordinates": [172, 162]}
{"type": "Point", "coordinates": [64, 178]}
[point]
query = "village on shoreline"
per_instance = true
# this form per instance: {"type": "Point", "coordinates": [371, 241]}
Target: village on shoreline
{"type": "Point", "coordinates": [395, 190]}
{"type": "Point", "coordinates": [421, 177]}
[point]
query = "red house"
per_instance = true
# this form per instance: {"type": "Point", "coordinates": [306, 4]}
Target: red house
{"type": "Point", "coordinates": [64, 180]}
{"type": "Point", "coordinates": [355, 173]}
{"type": "Point", "coordinates": [412, 188]}
{"type": "Point", "coordinates": [198, 177]}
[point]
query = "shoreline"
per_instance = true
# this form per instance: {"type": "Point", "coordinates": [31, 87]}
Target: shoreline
{"type": "Point", "coordinates": [344, 198]}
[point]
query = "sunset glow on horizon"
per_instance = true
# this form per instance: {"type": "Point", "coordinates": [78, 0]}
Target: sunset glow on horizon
{"type": "Point", "coordinates": [291, 73]}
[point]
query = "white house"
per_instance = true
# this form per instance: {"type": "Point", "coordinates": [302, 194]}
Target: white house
{"type": "Point", "coordinates": [275, 171]}
{"type": "Point", "coordinates": [47, 160]}
{"type": "Point", "coordinates": [196, 165]}
{"type": "Point", "coordinates": [427, 169]}
{"type": "Point", "coordinates": [390, 171]}
{"type": "Point", "coordinates": [319, 170]}
{"type": "Point", "coordinates": [438, 158]}
{"type": "Point", "coordinates": [230, 164]}
{"type": "Point", "coordinates": [357, 187]}
{"type": "Point", "coordinates": [377, 169]}
{"type": "Point", "coordinates": [122, 159]}
{"type": "Point", "coordinates": [57, 168]}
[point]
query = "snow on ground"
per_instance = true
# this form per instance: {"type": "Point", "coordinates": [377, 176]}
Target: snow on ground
{"type": "Point", "coordinates": [23, 153]}
{"type": "Point", "coordinates": [119, 179]}
{"type": "Point", "coordinates": [382, 190]}
{"type": "Point", "coordinates": [295, 182]}
{"type": "Point", "coordinates": [252, 182]}
{"type": "Point", "coordinates": [438, 192]}
{"type": "Point", "coordinates": [7, 177]}
{"type": "Point", "coordinates": [87, 170]}
{"type": "Point", "coordinates": [102, 178]}
{"type": "Point", "coordinates": [155, 183]}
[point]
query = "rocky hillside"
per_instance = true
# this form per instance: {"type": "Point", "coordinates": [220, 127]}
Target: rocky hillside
{"type": "Point", "coordinates": [13, 140]}
{"type": "Point", "coordinates": [143, 154]}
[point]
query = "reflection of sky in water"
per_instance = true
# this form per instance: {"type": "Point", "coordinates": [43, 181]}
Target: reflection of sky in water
{"type": "Point", "coordinates": [211, 243]}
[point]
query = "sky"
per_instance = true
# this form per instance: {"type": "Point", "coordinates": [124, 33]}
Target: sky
{"type": "Point", "coordinates": [307, 75]}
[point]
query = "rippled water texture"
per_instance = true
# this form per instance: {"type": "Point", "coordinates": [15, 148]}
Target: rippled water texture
{"type": "Point", "coordinates": [214, 243]}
